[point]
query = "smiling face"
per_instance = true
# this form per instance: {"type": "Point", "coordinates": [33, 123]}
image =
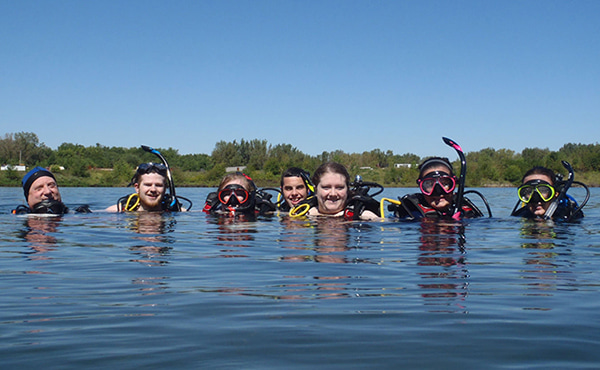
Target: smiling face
{"type": "Point", "coordinates": [294, 190]}
{"type": "Point", "coordinates": [151, 189]}
{"type": "Point", "coordinates": [537, 206]}
{"type": "Point", "coordinates": [43, 188]}
{"type": "Point", "coordinates": [332, 193]}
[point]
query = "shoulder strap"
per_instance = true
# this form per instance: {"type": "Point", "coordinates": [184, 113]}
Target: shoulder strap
{"type": "Point", "coordinates": [128, 203]}
{"type": "Point", "coordinates": [469, 208]}
{"type": "Point", "coordinates": [212, 200]}
{"type": "Point", "coordinates": [358, 204]}
{"type": "Point", "coordinates": [263, 203]}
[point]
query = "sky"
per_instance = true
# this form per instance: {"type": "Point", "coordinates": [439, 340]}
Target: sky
{"type": "Point", "coordinates": [318, 75]}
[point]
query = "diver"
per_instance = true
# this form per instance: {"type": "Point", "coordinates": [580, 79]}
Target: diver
{"type": "Point", "coordinates": [295, 187]}
{"type": "Point", "coordinates": [238, 195]}
{"type": "Point", "coordinates": [42, 194]}
{"type": "Point", "coordinates": [151, 181]}
{"type": "Point", "coordinates": [543, 195]}
{"type": "Point", "coordinates": [335, 196]}
{"type": "Point", "coordinates": [437, 183]}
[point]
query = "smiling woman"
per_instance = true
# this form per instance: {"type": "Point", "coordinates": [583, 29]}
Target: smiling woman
{"type": "Point", "coordinates": [332, 188]}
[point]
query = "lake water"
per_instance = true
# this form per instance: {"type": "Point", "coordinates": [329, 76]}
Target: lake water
{"type": "Point", "coordinates": [132, 291]}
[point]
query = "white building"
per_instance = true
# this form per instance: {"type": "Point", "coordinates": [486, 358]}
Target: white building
{"type": "Point", "coordinates": [13, 167]}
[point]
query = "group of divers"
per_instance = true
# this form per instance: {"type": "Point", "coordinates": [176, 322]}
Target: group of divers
{"type": "Point", "coordinates": [329, 192]}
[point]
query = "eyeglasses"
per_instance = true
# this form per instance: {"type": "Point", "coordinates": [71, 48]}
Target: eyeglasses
{"type": "Point", "coordinates": [241, 194]}
{"type": "Point", "coordinates": [541, 187]}
{"type": "Point", "coordinates": [149, 167]}
{"type": "Point", "coordinates": [427, 184]}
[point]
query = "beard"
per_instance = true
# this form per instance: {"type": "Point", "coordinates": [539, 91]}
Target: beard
{"type": "Point", "coordinates": [150, 203]}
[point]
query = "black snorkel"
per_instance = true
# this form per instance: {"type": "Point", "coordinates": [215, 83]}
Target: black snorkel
{"type": "Point", "coordinates": [457, 206]}
{"type": "Point", "coordinates": [563, 191]}
{"type": "Point", "coordinates": [174, 204]}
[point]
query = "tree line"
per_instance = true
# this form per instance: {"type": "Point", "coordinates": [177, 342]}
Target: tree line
{"type": "Point", "coordinates": [99, 165]}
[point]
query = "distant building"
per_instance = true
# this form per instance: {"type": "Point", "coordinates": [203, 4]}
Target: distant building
{"type": "Point", "coordinates": [235, 169]}
{"type": "Point", "coordinates": [405, 165]}
{"type": "Point", "coordinates": [19, 167]}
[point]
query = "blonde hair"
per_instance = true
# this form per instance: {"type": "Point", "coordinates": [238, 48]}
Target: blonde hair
{"type": "Point", "coordinates": [243, 179]}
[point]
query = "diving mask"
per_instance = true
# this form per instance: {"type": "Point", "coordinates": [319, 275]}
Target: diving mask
{"type": "Point", "coordinates": [540, 187]}
{"type": "Point", "coordinates": [234, 195]}
{"type": "Point", "coordinates": [445, 182]}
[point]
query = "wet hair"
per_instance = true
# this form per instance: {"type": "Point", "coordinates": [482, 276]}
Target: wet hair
{"type": "Point", "coordinates": [244, 179]}
{"type": "Point", "coordinates": [435, 162]}
{"type": "Point", "coordinates": [294, 172]}
{"type": "Point", "coordinates": [539, 170]}
{"type": "Point", "coordinates": [332, 167]}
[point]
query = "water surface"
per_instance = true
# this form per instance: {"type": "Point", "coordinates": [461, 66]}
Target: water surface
{"type": "Point", "coordinates": [186, 290]}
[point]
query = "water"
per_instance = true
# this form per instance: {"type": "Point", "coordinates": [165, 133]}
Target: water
{"type": "Point", "coordinates": [184, 291]}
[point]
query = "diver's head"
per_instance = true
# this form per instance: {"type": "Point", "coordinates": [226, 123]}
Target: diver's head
{"type": "Point", "coordinates": [296, 186]}
{"type": "Point", "coordinates": [437, 183]}
{"type": "Point", "coordinates": [332, 187]}
{"type": "Point", "coordinates": [40, 184]}
{"type": "Point", "coordinates": [537, 190]}
{"type": "Point", "coordinates": [237, 192]}
{"type": "Point", "coordinates": [150, 182]}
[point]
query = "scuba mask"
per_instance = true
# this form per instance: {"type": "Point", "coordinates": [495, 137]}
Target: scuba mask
{"type": "Point", "coordinates": [437, 183]}
{"type": "Point", "coordinates": [50, 206]}
{"type": "Point", "coordinates": [536, 190]}
{"type": "Point", "coordinates": [146, 168]}
{"type": "Point", "coordinates": [234, 195]}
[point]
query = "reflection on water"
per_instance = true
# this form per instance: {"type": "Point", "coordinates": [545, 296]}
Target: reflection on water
{"type": "Point", "coordinates": [39, 233]}
{"type": "Point", "coordinates": [329, 237]}
{"type": "Point", "coordinates": [547, 262]}
{"type": "Point", "coordinates": [151, 245]}
{"type": "Point", "coordinates": [442, 248]}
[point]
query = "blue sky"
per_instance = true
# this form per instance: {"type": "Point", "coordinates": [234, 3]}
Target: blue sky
{"type": "Point", "coordinates": [319, 75]}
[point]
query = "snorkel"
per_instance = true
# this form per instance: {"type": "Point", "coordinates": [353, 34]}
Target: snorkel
{"type": "Point", "coordinates": [563, 191]}
{"type": "Point", "coordinates": [174, 202]}
{"type": "Point", "coordinates": [457, 207]}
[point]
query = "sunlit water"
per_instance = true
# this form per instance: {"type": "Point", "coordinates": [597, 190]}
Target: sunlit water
{"type": "Point", "coordinates": [136, 291]}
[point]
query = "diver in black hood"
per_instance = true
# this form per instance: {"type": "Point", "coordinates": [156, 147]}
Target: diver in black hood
{"type": "Point", "coordinates": [41, 193]}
